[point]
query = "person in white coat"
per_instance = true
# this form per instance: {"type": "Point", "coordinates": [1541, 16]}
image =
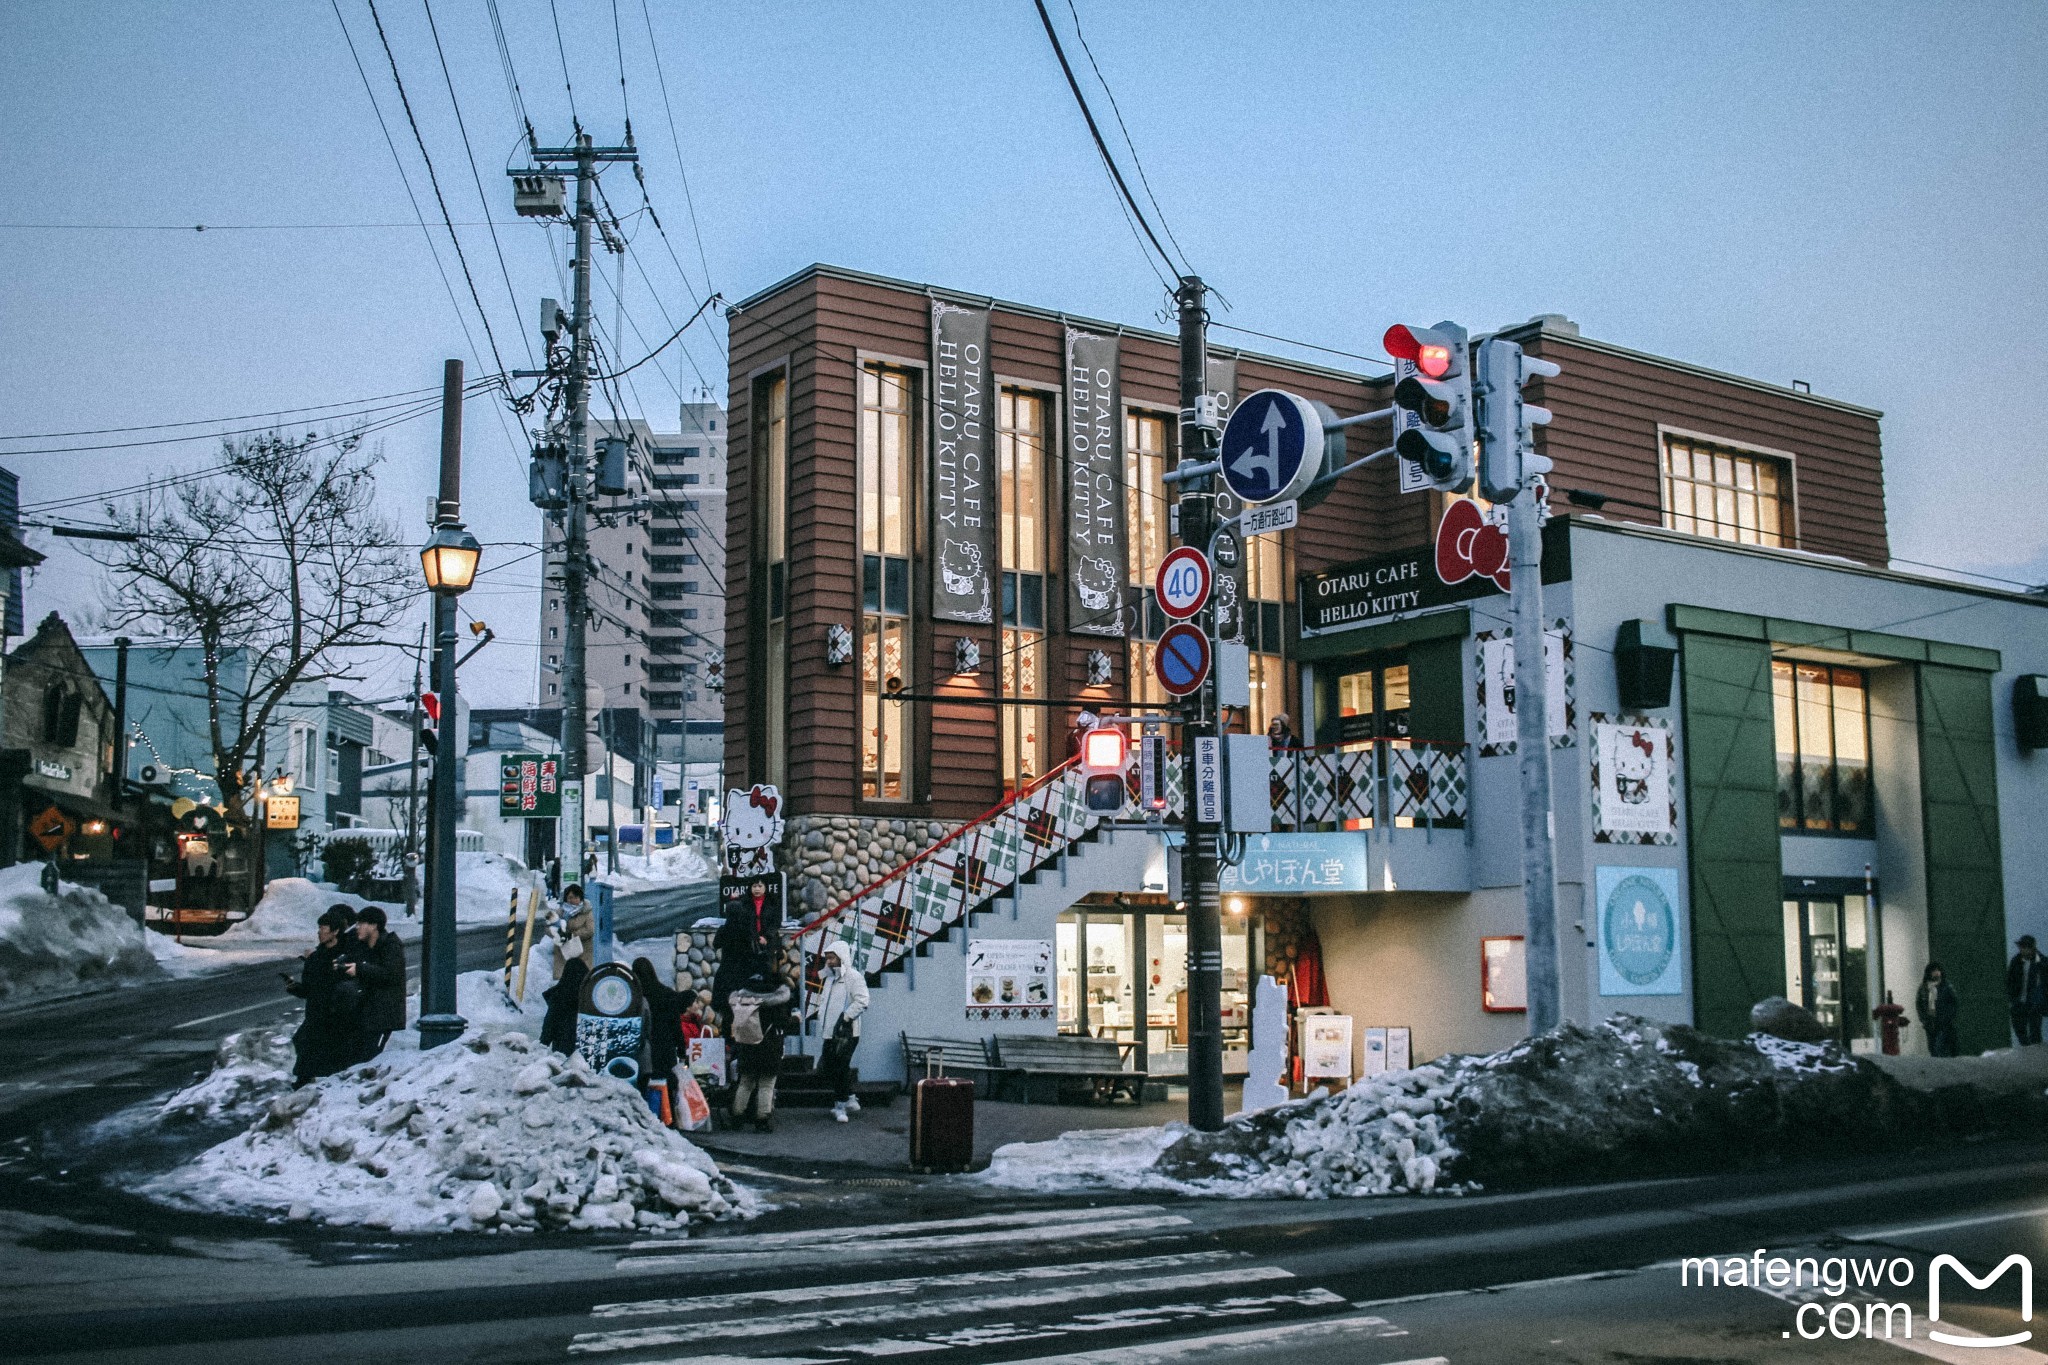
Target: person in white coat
{"type": "Point", "coordinates": [842, 999]}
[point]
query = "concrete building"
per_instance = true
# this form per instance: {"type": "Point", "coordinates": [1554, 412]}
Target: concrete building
{"type": "Point", "coordinates": [1780, 765]}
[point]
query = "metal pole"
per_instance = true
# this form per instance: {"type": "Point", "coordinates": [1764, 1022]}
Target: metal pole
{"type": "Point", "coordinates": [1198, 441]}
{"type": "Point", "coordinates": [576, 539]}
{"type": "Point", "coordinates": [439, 1023]}
{"type": "Point", "coordinates": [121, 645]}
{"type": "Point", "coordinates": [409, 860]}
{"type": "Point", "coordinates": [1532, 752]}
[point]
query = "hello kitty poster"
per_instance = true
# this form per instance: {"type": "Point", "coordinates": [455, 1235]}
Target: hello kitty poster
{"type": "Point", "coordinates": [1635, 793]}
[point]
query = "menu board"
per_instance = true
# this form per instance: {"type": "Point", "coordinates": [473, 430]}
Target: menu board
{"type": "Point", "coordinates": [1009, 978]}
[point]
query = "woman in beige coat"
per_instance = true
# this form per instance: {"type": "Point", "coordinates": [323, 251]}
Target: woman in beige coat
{"type": "Point", "coordinates": [579, 922]}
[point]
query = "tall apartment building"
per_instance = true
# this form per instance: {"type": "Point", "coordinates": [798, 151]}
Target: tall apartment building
{"type": "Point", "coordinates": [657, 595]}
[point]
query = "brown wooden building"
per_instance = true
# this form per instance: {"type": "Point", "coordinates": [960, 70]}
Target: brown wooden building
{"type": "Point", "coordinates": [829, 532]}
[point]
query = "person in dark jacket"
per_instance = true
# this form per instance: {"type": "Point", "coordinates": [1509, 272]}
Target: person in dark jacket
{"type": "Point", "coordinates": [663, 1029]}
{"type": "Point", "coordinates": [760, 1022]}
{"type": "Point", "coordinates": [2026, 990]}
{"type": "Point", "coordinates": [1937, 1006]}
{"type": "Point", "coordinates": [377, 964]}
{"type": "Point", "coordinates": [325, 1041]}
{"type": "Point", "coordinates": [565, 998]}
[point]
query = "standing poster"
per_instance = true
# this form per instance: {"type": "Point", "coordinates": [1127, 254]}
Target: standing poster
{"type": "Point", "coordinates": [962, 492]}
{"type": "Point", "coordinates": [1097, 603]}
{"type": "Point", "coordinates": [1638, 935]}
{"type": "Point", "coordinates": [1400, 1048]}
{"type": "Point", "coordinates": [1009, 978]}
{"type": "Point", "coordinates": [1325, 1046]}
{"type": "Point", "coordinates": [1229, 590]}
{"type": "Point", "coordinates": [1375, 1051]}
{"type": "Point", "coordinates": [1635, 781]}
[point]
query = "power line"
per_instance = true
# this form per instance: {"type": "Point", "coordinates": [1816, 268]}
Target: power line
{"type": "Point", "coordinates": [619, 45]}
{"type": "Point", "coordinates": [214, 421]}
{"type": "Point", "coordinates": [463, 127]}
{"type": "Point", "coordinates": [511, 72]}
{"type": "Point", "coordinates": [216, 227]}
{"type": "Point", "coordinates": [435, 180]}
{"type": "Point", "coordinates": [1114, 108]}
{"type": "Point", "coordinates": [1305, 345]}
{"type": "Point", "coordinates": [675, 142]}
{"type": "Point", "coordinates": [563, 52]}
{"type": "Point", "coordinates": [1095, 132]}
{"type": "Point", "coordinates": [475, 387]}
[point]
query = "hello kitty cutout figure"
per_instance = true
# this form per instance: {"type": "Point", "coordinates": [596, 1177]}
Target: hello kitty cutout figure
{"type": "Point", "coordinates": [751, 828]}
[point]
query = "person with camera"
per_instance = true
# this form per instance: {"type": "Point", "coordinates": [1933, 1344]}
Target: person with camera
{"type": "Point", "coordinates": [376, 962]}
{"type": "Point", "coordinates": [325, 1041]}
{"type": "Point", "coordinates": [842, 999]}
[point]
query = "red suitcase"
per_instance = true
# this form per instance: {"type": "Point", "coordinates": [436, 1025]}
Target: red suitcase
{"type": "Point", "coordinates": [942, 1124]}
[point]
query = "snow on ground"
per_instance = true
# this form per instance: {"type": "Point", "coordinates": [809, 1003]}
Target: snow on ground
{"type": "Point", "coordinates": [484, 883]}
{"type": "Point", "coordinates": [250, 1069]}
{"type": "Point", "coordinates": [1626, 1097]}
{"type": "Point", "coordinates": [76, 938]}
{"type": "Point", "coordinates": [492, 1132]}
{"type": "Point", "coordinates": [659, 871]}
{"type": "Point", "coordinates": [289, 911]}
{"type": "Point", "coordinates": [199, 956]}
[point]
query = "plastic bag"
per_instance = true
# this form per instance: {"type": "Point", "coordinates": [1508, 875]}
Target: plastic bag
{"type": "Point", "coordinates": [695, 1111]}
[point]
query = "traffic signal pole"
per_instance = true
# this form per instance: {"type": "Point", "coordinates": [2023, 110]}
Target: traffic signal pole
{"type": "Point", "coordinates": [1532, 751]}
{"type": "Point", "coordinates": [1199, 440]}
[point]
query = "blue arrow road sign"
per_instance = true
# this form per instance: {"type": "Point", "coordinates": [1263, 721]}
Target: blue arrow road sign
{"type": "Point", "coordinates": [1273, 446]}
{"type": "Point", "coordinates": [1181, 659]}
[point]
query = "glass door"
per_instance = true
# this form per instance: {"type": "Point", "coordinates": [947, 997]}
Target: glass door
{"type": "Point", "coordinates": [1828, 963]}
{"type": "Point", "coordinates": [1372, 705]}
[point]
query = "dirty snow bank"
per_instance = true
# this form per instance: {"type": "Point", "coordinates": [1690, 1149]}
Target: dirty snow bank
{"type": "Point", "coordinates": [492, 1132]}
{"type": "Point", "coordinates": [661, 870]}
{"type": "Point", "coordinates": [290, 909]}
{"type": "Point", "coordinates": [250, 1069]}
{"type": "Point", "coordinates": [484, 883]}
{"type": "Point", "coordinates": [1627, 1097]}
{"type": "Point", "coordinates": [59, 943]}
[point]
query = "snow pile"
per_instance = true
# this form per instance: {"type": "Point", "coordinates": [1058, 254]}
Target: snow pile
{"type": "Point", "coordinates": [492, 1132]}
{"type": "Point", "coordinates": [58, 943]}
{"type": "Point", "coordinates": [289, 911]}
{"type": "Point", "coordinates": [1626, 1097]}
{"type": "Point", "coordinates": [661, 870]}
{"type": "Point", "coordinates": [250, 1069]}
{"type": "Point", "coordinates": [484, 883]}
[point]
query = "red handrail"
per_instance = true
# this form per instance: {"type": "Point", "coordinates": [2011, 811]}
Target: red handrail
{"type": "Point", "coordinates": [827, 915]}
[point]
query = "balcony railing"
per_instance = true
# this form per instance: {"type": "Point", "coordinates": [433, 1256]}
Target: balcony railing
{"type": "Point", "coordinates": [1378, 784]}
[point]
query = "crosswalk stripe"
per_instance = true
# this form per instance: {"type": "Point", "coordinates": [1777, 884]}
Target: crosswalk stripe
{"type": "Point", "coordinates": [639, 1338]}
{"type": "Point", "coordinates": [867, 1231]}
{"type": "Point", "coordinates": [1124, 1319]}
{"type": "Point", "coordinates": [912, 1284]}
{"type": "Point", "coordinates": [742, 1253]}
{"type": "Point", "coordinates": [1316, 1332]}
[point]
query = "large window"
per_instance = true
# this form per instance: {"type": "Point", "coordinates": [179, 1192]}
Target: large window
{"type": "Point", "coordinates": [887, 464]}
{"type": "Point", "coordinates": [1020, 502]}
{"type": "Point", "coordinates": [1712, 490]}
{"type": "Point", "coordinates": [1146, 450]}
{"type": "Point", "coordinates": [1265, 592]}
{"type": "Point", "coordinates": [1822, 715]}
{"type": "Point", "coordinates": [773, 416]}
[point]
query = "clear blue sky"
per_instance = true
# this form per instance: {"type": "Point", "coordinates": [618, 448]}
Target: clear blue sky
{"type": "Point", "coordinates": [1848, 194]}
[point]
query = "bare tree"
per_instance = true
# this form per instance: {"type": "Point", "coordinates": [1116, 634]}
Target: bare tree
{"type": "Point", "coordinates": [276, 567]}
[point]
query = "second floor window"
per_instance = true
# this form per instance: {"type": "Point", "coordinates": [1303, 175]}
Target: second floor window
{"type": "Point", "coordinates": [887, 464]}
{"type": "Point", "coordinates": [1822, 718]}
{"type": "Point", "coordinates": [1020, 500]}
{"type": "Point", "coordinates": [1729, 494]}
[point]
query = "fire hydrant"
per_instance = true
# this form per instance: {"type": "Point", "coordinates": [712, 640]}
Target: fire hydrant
{"type": "Point", "coordinates": [1890, 1019]}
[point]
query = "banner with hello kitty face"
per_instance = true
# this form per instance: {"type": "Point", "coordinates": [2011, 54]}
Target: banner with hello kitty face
{"type": "Point", "coordinates": [1635, 780]}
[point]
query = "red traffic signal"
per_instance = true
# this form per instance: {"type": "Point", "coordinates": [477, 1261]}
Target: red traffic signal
{"type": "Point", "coordinates": [1429, 350]}
{"type": "Point", "coordinates": [1104, 748]}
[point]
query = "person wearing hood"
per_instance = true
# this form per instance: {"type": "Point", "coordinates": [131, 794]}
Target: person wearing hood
{"type": "Point", "coordinates": [842, 1000]}
{"type": "Point", "coordinates": [760, 1021]}
{"type": "Point", "coordinates": [662, 1012]}
{"type": "Point", "coordinates": [326, 1041]}
{"type": "Point", "coordinates": [564, 1000]}
{"type": "Point", "coordinates": [376, 962]}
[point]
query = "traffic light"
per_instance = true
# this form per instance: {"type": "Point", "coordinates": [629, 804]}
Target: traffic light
{"type": "Point", "coordinates": [1507, 425]}
{"type": "Point", "coordinates": [1433, 402]}
{"type": "Point", "coordinates": [430, 723]}
{"type": "Point", "coordinates": [1104, 752]}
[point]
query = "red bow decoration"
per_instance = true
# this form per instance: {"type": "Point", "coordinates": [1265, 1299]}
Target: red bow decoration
{"type": "Point", "coordinates": [1642, 741]}
{"type": "Point", "coordinates": [760, 799]}
{"type": "Point", "coordinates": [1467, 544]}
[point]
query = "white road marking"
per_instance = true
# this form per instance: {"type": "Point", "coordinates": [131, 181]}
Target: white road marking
{"type": "Point", "coordinates": [1005, 1333]}
{"type": "Point", "coordinates": [867, 1230]}
{"type": "Point", "coordinates": [1891, 1234]}
{"type": "Point", "coordinates": [738, 1252]}
{"type": "Point", "coordinates": [1317, 1333]}
{"type": "Point", "coordinates": [1497, 1288]}
{"type": "Point", "coordinates": [229, 1014]}
{"type": "Point", "coordinates": [705, 1303]}
{"type": "Point", "coordinates": [787, 1324]}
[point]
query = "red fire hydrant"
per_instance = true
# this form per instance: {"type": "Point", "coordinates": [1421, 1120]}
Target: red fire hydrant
{"type": "Point", "coordinates": [1890, 1019]}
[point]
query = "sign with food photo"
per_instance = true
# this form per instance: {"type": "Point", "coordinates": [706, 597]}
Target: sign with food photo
{"type": "Point", "coordinates": [1009, 978]}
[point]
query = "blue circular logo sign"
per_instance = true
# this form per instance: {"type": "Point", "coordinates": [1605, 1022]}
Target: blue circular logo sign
{"type": "Point", "coordinates": [1639, 931]}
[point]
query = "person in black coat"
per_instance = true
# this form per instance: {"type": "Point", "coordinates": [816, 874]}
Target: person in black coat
{"type": "Point", "coordinates": [377, 964]}
{"type": "Point", "coordinates": [1937, 1005]}
{"type": "Point", "coordinates": [663, 1030]}
{"type": "Point", "coordinates": [2026, 990]}
{"type": "Point", "coordinates": [565, 999]}
{"type": "Point", "coordinates": [326, 1040]}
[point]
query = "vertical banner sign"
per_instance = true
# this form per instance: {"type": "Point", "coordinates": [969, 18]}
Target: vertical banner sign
{"type": "Point", "coordinates": [1229, 590]}
{"type": "Point", "coordinates": [963, 498]}
{"type": "Point", "coordinates": [1097, 602]}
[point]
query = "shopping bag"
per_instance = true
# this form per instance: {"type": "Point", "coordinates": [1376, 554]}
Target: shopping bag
{"type": "Point", "coordinates": [695, 1111]}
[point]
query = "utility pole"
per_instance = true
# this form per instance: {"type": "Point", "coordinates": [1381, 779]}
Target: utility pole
{"type": "Point", "coordinates": [1532, 754]}
{"type": "Point", "coordinates": [1199, 440]}
{"type": "Point", "coordinates": [586, 158]}
{"type": "Point", "coordinates": [121, 646]}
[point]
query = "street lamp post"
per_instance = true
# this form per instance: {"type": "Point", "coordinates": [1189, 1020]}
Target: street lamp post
{"type": "Point", "coordinates": [449, 560]}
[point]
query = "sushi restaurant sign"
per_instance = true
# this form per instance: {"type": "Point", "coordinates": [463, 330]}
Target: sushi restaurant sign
{"type": "Point", "coordinates": [1009, 978]}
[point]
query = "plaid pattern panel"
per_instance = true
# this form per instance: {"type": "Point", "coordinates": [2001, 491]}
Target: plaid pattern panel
{"type": "Point", "coordinates": [1427, 784]}
{"type": "Point", "coordinates": [1355, 782]}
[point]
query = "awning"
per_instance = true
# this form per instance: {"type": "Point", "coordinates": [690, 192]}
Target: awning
{"type": "Point", "coordinates": [34, 796]}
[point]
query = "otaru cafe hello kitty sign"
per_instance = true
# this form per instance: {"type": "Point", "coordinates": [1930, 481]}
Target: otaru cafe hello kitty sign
{"type": "Point", "coordinates": [1467, 560]}
{"type": "Point", "coordinates": [1635, 780]}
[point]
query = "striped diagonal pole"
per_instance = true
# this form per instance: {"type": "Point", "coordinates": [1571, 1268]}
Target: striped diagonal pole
{"type": "Point", "coordinates": [511, 938]}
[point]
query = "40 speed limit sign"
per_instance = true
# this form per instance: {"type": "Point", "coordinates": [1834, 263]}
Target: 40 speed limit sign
{"type": "Point", "coordinates": [1182, 584]}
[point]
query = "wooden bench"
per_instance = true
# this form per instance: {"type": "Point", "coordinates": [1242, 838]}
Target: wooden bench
{"type": "Point", "coordinates": [947, 1056]}
{"type": "Point", "coordinates": [1062, 1064]}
